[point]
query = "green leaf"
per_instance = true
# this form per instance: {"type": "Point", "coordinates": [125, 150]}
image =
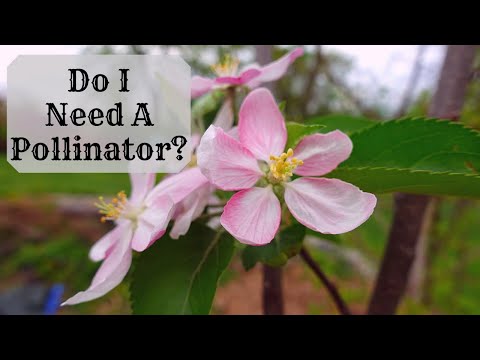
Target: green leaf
{"type": "Point", "coordinates": [383, 180]}
{"type": "Point", "coordinates": [329, 237]}
{"type": "Point", "coordinates": [278, 252]}
{"type": "Point", "coordinates": [423, 156]}
{"type": "Point", "coordinates": [297, 131]}
{"type": "Point", "coordinates": [347, 124]}
{"type": "Point", "coordinates": [180, 276]}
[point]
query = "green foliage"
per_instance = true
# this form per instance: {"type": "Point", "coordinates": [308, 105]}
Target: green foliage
{"type": "Point", "coordinates": [346, 123]}
{"type": "Point", "coordinates": [59, 259]}
{"type": "Point", "coordinates": [424, 156]}
{"type": "Point", "coordinates": [14, 183]}
{"type": "Point", "coordinates": [297, 131]}
{"type": "Point", "coordinates": [287, 244]}
{"type": "Point", "coordinates": [181, 276]}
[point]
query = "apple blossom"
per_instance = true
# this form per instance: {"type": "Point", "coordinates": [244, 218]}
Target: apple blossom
{"type": "Point", "coordinates": [257, 166]}
{"type": "Point", "coordinates": [141, 220]}
{"type": "Point", "coordinates": [252, 77]}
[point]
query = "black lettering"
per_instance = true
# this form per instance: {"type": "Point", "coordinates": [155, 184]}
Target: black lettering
{"type": "Point", "coordinates": [16, 147]}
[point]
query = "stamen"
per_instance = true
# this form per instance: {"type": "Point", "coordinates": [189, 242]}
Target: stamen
{"type": "Point", "coordinates": [113, 210]}
{"type": "Point", "coordinates": [282, 166]}
{"type": "Point", "coordinates": [227, 67]}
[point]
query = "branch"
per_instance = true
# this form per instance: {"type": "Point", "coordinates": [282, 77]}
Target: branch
{"type": "Point", "coordinates": [308, 91]}
{"type": "Point", "coordinates": [332, 289]}
{"type": "Point", "coordinates": [410, 209]}
{"type": "Point", "coordinates": [348, 94]}
{"type": "Point", "coordinates": [352, 257]}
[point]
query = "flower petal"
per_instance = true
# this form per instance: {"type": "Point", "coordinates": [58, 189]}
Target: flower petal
{"type": "Point", "coordinates": [322, 153]}
{"type": "Point", "coordinates": [141, 185]}
{"type": "Point", "coordinates": [201, 85]}
{"type": "Point", "coordinates": [224, 118]}
{"type": "Point", "coordinates": [190, 208]}
{"type": "Point", "coordinates": [242, 79]}
{"type": "Point", "coordinates": [276, 69]}
{"type": "Point", "coordinates": [233, 132]}
{"type": "Point", "coordinates": [252, 216]}
{"type": "Point", "coordinates": [178, 186]}
{"type": "Point", "coordinates": [225, 162]}
{"type": "Point", "coordinates": [261, 126]}
{"type": "Point", "coordinates": [111, 272]}
{"type": "Point", "coordinates": [329, 206]}
{"type": "Point", "coordinates": [153, 222]}
{"type": "Point", "coordinates": [100, 249]}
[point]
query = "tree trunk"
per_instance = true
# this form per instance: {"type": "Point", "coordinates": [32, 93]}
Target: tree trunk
{"type": "Point", "coordinates": [410, 209]}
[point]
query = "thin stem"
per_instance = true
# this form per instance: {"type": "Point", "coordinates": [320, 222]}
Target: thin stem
{"type": "Point", "coordinates": [231, 99]}
{"type": "Point", "coordinates": [332, 289]}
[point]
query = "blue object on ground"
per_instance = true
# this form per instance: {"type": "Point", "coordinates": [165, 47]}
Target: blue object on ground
{"type": "Point", "coordinates": [53, 300]}
{"type": "Point", "coordinates": [31, 299]}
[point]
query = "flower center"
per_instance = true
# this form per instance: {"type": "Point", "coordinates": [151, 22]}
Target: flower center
{"type": "Point", "coordinates": [227, 67]}
{"type": "Point", "coordinates": [112, 211]}
{"type": "Point", "coordinates": [282, 166]}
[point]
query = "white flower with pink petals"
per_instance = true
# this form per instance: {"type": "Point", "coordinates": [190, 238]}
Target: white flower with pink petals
{"type": "Point", "coordinates": [141, 220]}
{"type": "Point", "coordinates": [252, 77]}
{"type": "Point", "coordinates": [257, 166]}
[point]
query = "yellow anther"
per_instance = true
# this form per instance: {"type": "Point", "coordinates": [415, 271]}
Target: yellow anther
{"type": "Point", "coordinates": [227, 67]}
{"type": "Point", "coordinates": [282, 166]}
{"type": "Point", "coordinates": [113, 210]}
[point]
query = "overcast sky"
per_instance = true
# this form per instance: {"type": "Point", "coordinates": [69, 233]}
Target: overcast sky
{"type": "Point", "coordinates": [375, 66]}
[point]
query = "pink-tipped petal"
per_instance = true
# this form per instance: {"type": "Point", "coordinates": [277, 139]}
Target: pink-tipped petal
{"type": "Point", "coordinates": [141, 186]}
{"type": "Point", "coordinates": [328, 206]}
{"type": "Point", "coordinates": [153, 222]}
{"type": "Point", "coordinates": [261, 126]}
{"type": "Point", "coordinates": [252, 216]}
{"type": "Point", "coordinates": [276, 69]}
{"type": "Point", "coordinates": [190, 208]}
{"type": "Point", "coordinates": [100, 249]}
{"type": "Point", "coordinates": [201, 85]}
{"type": "Point", "coordinates": [242, 79]}
{"type": "Point", "coordinates": [178, 186]}
{"type": "Point", "coordinates": [322, 153]}
{"type": "Point", "coordinates": [110, 274]}
{"type": "Point", "coordinates": [225, 162]}
{"type": "Point", "coordinates": [224, 118]}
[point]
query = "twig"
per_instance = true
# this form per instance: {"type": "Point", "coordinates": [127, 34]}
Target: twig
{"type": "Point", "coordinates": [332, 289]}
